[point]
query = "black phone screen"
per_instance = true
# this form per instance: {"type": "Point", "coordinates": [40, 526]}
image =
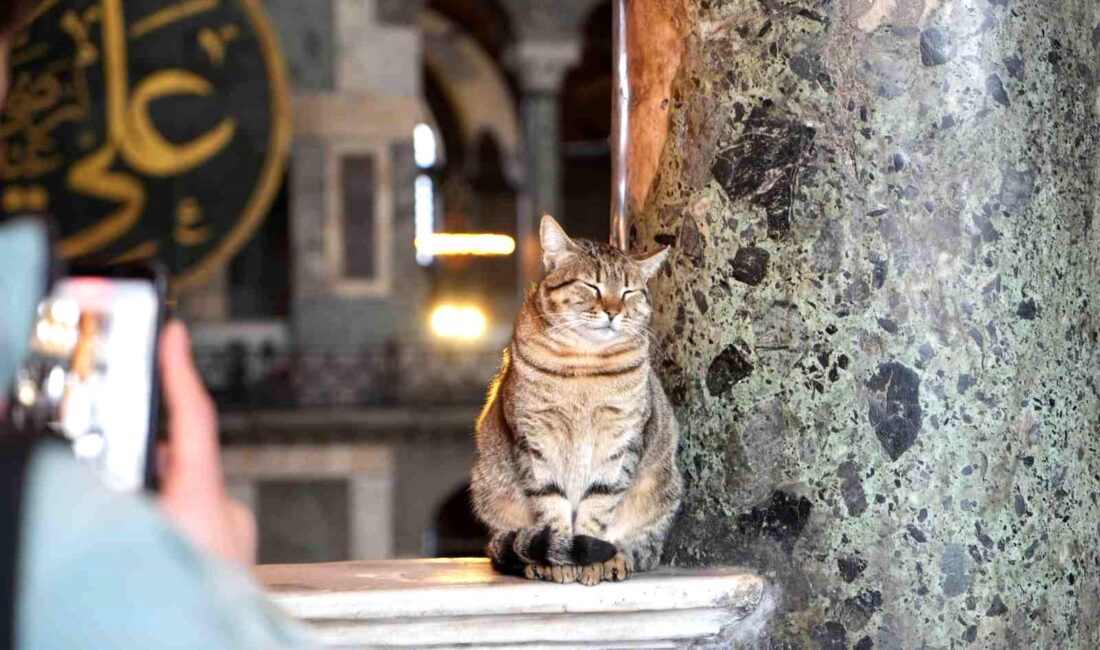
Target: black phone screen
{"type": "Point", "coordinates": [91, 378]}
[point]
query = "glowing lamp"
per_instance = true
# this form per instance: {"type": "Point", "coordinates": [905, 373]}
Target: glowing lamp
{"type": "Point", "coordinates": [464, 244]}
{"type": "Point", "coordinates": [458, 322]}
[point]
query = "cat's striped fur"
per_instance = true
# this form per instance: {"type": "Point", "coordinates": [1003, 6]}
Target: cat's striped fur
{"type": "Point", "coordinates": [576, 472]}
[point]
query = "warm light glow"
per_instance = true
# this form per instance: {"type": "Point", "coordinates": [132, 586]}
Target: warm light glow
{"type": "Point", "coordinates": [55, 337]}
{"type": "Point", "coordinates": [43, 331]}
{"type": "Point", "coordinates": [460, 322]}
{"type": "Point", "coordinates": [65, 311]}
{"type": "Point", "coordinates": [27, 393]}
{"type": "Point", "coordinates": [465, 244]}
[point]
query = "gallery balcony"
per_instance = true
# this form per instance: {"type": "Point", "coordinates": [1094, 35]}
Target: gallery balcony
{"type": "Point", "coordinates": [266, 378]}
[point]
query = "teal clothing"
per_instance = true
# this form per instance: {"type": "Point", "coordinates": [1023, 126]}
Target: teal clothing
{"type": "Point", "coordinates": [103, 570]}
{"type": "Point", "coordinates": [99, 570]}
{"type": "Point", "coordinates": [24, 276]}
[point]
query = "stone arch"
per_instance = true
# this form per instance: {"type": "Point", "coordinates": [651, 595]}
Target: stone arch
{"type": "Point", "coordinates": [487, 21]}
{"type": "Point", "coordinates": [475, 86]}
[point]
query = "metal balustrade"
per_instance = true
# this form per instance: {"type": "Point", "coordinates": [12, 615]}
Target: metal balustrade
{"type": "Point", "coordinates": [266, 378]}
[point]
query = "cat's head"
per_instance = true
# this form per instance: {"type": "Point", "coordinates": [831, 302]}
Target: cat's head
{"type": "Point", "coordinates": [594, 290]}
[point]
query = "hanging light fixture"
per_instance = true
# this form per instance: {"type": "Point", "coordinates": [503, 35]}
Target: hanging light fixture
{"type": "Point", "coordinates": [458, 322]}
{"type": "Point", "coordinates": [481, 244]}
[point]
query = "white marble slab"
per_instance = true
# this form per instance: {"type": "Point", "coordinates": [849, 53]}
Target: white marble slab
{"type": "Point", "coordinates": [462, 602]}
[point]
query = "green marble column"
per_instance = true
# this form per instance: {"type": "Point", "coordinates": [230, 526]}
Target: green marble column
{"type": "Point", "coordinates": [542, 66]}
{"type": "Point", "coordinates": [882, 314]}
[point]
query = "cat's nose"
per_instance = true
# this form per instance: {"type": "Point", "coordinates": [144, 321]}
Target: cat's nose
{"type": "Point", "coordinates": [612, 313]}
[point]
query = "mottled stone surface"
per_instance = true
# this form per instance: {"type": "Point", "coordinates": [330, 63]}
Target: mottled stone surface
{"type": "Point", "coordinates": [881, 315]}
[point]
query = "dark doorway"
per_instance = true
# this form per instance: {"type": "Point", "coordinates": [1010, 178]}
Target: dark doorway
{"type": "Point", "coordinates": [456, 532]}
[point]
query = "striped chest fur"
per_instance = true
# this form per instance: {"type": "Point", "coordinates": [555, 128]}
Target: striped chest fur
{"type": "Point", "coordinates": [577, 417]}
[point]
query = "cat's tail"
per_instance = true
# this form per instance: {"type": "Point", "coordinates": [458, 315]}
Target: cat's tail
{"type": "Point", "coordinates": [511, 550]}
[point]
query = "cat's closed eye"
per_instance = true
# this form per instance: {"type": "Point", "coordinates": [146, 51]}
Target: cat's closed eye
{"type": "Point", "coordinates": [599, 294]}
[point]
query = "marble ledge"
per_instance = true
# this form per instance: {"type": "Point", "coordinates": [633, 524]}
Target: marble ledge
{"type": "Point", "coordinates": [454, 603]}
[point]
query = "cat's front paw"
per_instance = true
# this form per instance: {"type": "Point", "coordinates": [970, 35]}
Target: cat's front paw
{"type": "Point", "coordinates": [616, 569]}
{"type": "Point", "coordinates": [560, 573]}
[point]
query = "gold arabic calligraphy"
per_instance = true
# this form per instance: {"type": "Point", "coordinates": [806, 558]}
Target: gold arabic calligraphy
{"type": "Point", "coordinates": [39, 104]}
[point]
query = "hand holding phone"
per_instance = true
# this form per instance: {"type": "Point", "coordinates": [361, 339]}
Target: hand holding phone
{"type": "Point", "coordinates": [91, 377]}
{"type": "Point", "coordinates": [193, 490]}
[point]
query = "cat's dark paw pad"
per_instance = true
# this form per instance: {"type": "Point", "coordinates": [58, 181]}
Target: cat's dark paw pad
{"type": "Point", "coordinates": [592, 550]}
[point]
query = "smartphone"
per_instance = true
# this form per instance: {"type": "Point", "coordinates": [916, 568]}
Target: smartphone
{"type": "Point", "coordinates": [91, 375]}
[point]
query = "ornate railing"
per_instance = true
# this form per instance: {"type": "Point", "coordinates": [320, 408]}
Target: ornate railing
{"type": "Point", "coordinates": [242, 378]}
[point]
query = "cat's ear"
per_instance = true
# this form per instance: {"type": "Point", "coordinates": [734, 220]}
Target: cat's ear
{"type": "Point", "coordinates": [650, 263]}
{"type": "Point", "coordinates": [555, 243]}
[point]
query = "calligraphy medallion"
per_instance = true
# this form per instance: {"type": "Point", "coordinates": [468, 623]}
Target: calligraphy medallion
{"type": "Point", "coordinates": [147, 129]}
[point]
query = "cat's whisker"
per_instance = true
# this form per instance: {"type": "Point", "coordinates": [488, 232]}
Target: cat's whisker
{"type": "Point", "coordinates": [645, 334]}
{"type": "Point", "coordinates": [566, 325]}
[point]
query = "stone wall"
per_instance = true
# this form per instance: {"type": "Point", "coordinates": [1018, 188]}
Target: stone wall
{"type": "Point", "coordinates": [324, 314]}
{"type": "Point", "coordinates": [358, 93]}
{"type": "Point", "coordinates": [882, 314]}
{"type": "Point", "coordinates": [348, 484]}
{"type": "Point", "coordinates": [307, 42]}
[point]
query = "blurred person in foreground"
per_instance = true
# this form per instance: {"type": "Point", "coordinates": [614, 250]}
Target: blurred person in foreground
{"type": "Point", "coordinates": [84, 567]}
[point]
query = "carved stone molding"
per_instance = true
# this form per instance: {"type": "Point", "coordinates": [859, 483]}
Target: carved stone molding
{"type": "Point", "coordinates": [541, 64]}
{"type": "Point", "coordinates": [548, 19]}
{"type": "Point", "coordinates": [456, 603]}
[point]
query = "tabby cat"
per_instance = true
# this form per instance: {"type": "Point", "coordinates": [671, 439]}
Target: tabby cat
{"type": "Point", "coordinates": [576, 473]}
